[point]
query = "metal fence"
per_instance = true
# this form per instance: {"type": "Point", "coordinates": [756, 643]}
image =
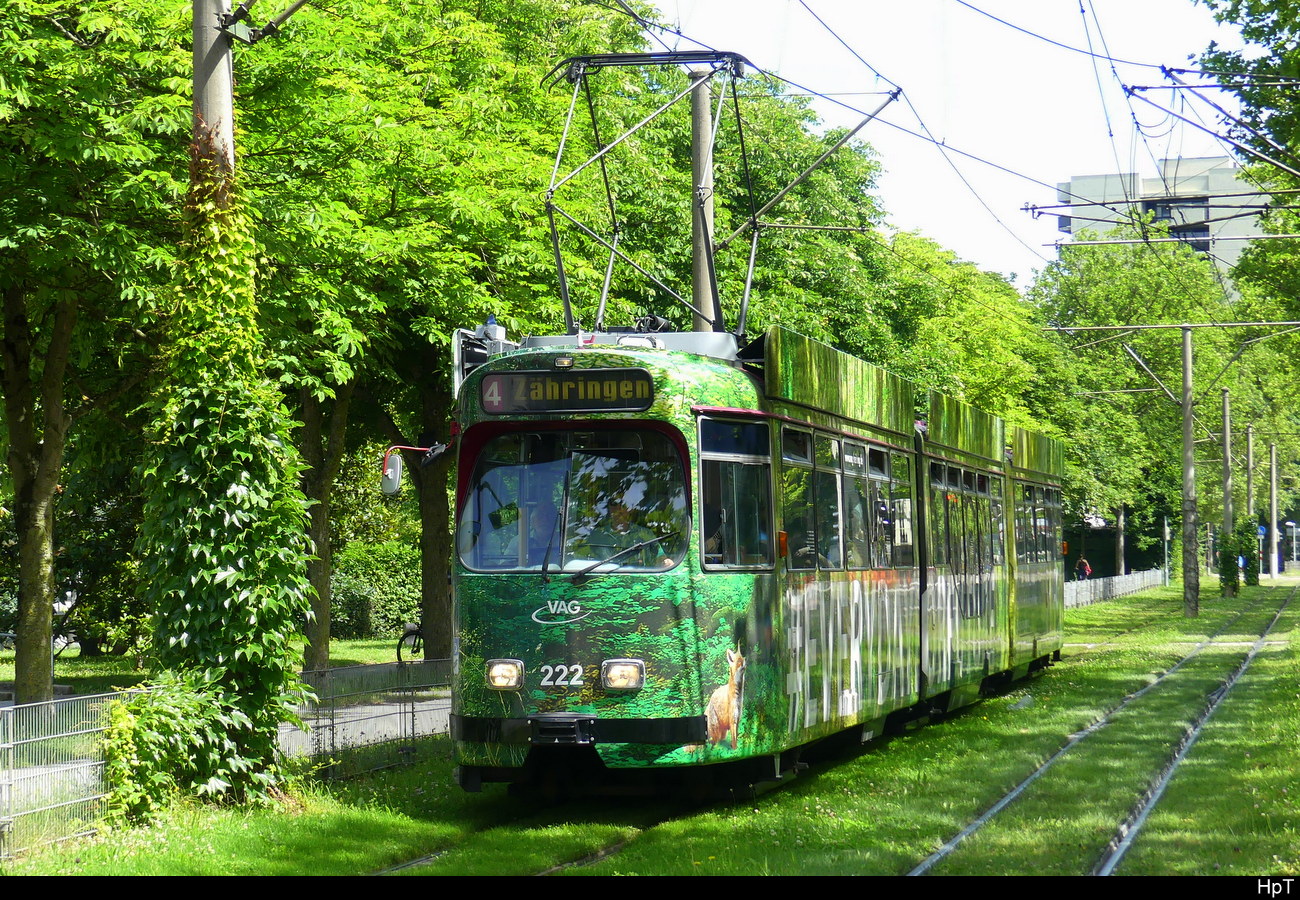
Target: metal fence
{"type": "Point", "coordinates": [371, 717]}
{"type": "Point", "coordinates": [1094, 590]}
{"type": "Point", "coordinates": [364, 717]}
{"type": "Point", "coordinates": [51, 770]}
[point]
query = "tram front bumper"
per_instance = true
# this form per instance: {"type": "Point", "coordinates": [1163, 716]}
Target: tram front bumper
{"type": "Point", "coordinates": [572, 729]}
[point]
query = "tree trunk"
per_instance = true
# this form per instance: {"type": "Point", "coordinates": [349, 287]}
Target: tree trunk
{"type": "Point", "coordinates": [435, 533]}
{"type": "Point", "coordinates": [37, 428]}
{"type": "Point", "coordinates": [321, 443]}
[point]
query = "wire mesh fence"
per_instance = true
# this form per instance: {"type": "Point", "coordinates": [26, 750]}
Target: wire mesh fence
{"type": "Point", "coordinates": [1094, 590]}
{"type": "Point", "coordinates": [371, 717]}
{"type": "Point", "coordinates": [51, 770]}
{"type": "Point", "coordinates": [364, 718]}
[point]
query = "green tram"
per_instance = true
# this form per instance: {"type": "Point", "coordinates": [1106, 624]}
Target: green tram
{"type": "Point", "coordinates": [673, 553]}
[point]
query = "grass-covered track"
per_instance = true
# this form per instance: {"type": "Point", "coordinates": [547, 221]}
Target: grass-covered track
{"type": "Point", "coordinates": [1230, 806]}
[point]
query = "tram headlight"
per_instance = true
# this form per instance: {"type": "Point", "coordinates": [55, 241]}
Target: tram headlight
{"type": "Point", "coordinates": [622, 674]}
{"type": "Point", "coordinates": [505, 674]}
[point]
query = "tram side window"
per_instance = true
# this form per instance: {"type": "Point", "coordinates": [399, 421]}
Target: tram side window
{"type": "Point", "coordinates": [938, 516]}
{"type": "Point", "coordinates": [826, 504]}
{"type": "Point", "coordinates": [797, 498]}
{"type": "Point", "coordinates": [882, 526]}
{"type": "Point", "coordinates": [956, 531]}
{"type": "Point", "coordinates": [998, 534]}
{"type": "Point", "coordinates": [736, 488]}
{"type": "Point", "coordinates": [983, 545]}
{"type": "Point", "coordinates": [1021, 523]}
{"type": "Point", "coordinates": [901, 504]}
{"type": "Point", "coordinates": [857, 507]}
{"type": "Point", "coordinates": [1031, 535]}
{"type": "Point", "coordinates": [1060, 527]}
{"type": "Point", "coordinates": [973, 524]}
{"type": "Point", "coordinates": [986, 536]}
{"type": "Point", "coordinates": [1042, 530]}
{"type": "Point", "coordinates": [1054, 511]}
{"type": "Point", "coordinates": [1031, 525]}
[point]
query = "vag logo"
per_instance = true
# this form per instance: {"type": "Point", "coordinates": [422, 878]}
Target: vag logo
{"type": "Point", "coordinates": [560, 612]}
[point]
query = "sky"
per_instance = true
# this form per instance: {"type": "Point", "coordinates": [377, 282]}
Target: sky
{"type": "Point", "coordinates": [985, 90]}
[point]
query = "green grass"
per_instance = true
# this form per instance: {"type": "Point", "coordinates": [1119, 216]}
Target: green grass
{"type": "Point", "coordinates": [363, 651]}
{"type": "Point", "coordinates": [85, 674]}
{"type": "Point", "coordinates": [101, 674]}
{"type": "Point", "coordinates": [1240, 780]}
{"type": "Point", "coordinates": [1230, 809]}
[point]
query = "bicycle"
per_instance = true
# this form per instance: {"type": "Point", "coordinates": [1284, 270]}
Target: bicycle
{"type": "Point", "coordinates": [411, 644]}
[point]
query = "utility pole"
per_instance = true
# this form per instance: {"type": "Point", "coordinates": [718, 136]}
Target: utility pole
{"type": "Point", "coordinates": [1250, 495]}
{"type": "Point", "coordinates": [1191, 562]}
{"type": "Point", "coordinates": [214, 105]}
{"type": "Point", "coordinates": [1227, 489]}
{"type": "Point", "coordinates": [1272, 509]}
{"type": "Point", "coordinates": [1250, 472]}
{"type": "Point", "coordinates": [1119, 540]}
{"type": "Point", "coordinates": [214, 27]}
{"type": "Point", "coordinates": [703, 280]}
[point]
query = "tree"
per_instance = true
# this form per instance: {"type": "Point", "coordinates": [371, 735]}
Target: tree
{"type": "Point", "coordinates": [224, 541]}
{"type": "Point", "coordinates": [1123, 430]}
{"type": "Point", "coordinates": [91, 130]}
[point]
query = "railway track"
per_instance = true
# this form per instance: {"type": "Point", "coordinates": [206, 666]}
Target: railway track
{"type": "Point", "coordinates": [1127, 830]}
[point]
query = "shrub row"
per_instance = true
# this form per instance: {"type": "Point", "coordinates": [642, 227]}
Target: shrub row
{"type": "Point", "coordinates": [375, 588]}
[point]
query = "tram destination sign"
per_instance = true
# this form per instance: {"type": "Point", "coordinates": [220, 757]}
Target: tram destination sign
{"type": "Point", "coordinates": [572, 390]}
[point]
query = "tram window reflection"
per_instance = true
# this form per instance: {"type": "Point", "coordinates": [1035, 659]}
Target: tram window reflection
{"type": "Point", "coordinates": [797, 517]}
{"type": "Point", "coordinates": [904, 554]}
{"type": "Point", "coordinates": [736, 489]}
{"type": "Point", "coordinates": [827, 505]}
{"type": "Point", "coordinates": [536, 499]}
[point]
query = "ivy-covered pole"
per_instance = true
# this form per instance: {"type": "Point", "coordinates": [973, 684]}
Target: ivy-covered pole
{"type": "Point", "coordinates": [224, 536]}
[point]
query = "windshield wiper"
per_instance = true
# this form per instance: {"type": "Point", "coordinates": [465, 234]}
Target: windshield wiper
{"type": "Point", "coordinates": [640, 545]}
{"type": "Point", "coordinates": [560, 523]}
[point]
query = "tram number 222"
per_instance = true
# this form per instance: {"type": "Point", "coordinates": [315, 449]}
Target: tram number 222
{"type": "Point", "coordinates": [562, 676]}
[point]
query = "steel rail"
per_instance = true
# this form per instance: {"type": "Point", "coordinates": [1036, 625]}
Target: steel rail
{"type": "Point", "coordinates": [1131, 827]}
{"type": "Point", "coordinates": [1105, 719]}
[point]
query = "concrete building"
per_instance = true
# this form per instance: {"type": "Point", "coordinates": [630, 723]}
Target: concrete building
{"type": "Point", "coordinates": [1203, 201]}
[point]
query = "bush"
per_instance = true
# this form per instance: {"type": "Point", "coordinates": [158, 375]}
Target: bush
{"type": "Point", "coordinates": [1229, 571]}
{"type": "Point", "coordinates": [1248, 547]}
{"type": "Point", "coordinates": [179, 737]}
{"type": "Point", "coordinates": [375, 588]}
{"type": "Point", "coordinates": [8, 609]}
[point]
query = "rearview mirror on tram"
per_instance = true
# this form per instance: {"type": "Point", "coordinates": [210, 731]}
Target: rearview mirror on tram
{"type": "Point", "coordinates": [391, 482]}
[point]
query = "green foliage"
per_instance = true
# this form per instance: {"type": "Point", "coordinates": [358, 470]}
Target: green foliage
{"type": "Point", "coordinates": [178, 737]}
{"type": "Point", "coordinates": [360, 513]}
{"type": "Point", "coordinates": [1122, 436]}
{"type": "Point", "coordinates": [1229, 569]}
{"type": "Point", "coordinates": [94, 110]}
{"type": "Point", "coordinates": [376, 588]}
{"type": "Point", "coordinates": [1247, 539]}
{"type": "Point", "coordinates": [8, 574]}
{"type": "Point", "coordinates": [223, 539]}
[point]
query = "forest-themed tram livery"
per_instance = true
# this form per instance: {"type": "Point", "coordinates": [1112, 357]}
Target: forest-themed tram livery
{"type": "Point", "coordinates": [671, 553]}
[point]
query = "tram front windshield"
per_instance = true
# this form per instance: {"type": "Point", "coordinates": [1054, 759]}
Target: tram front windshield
{"type": "Point", "coordinates": [575, 501]}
